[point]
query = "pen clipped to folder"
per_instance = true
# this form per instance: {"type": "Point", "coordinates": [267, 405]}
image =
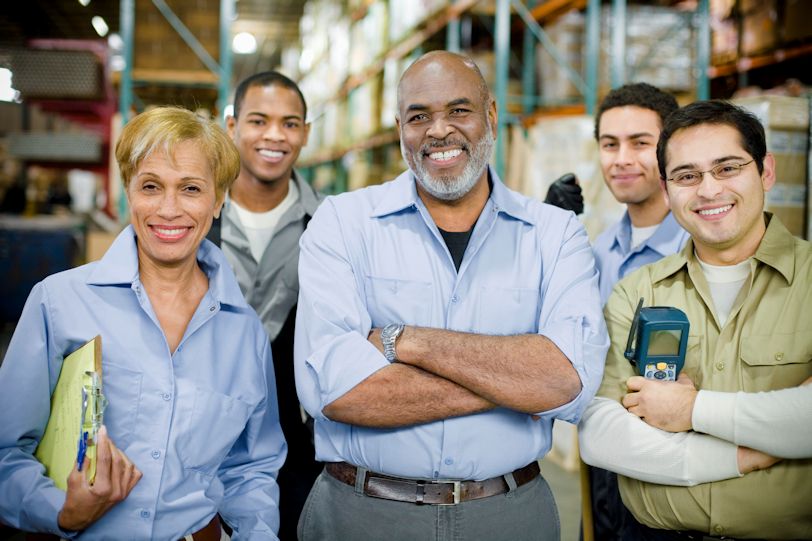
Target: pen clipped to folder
{"type": "Point", "coordinates": [77, 414]}
{"type": "Point", "coordinates": [93, 405]}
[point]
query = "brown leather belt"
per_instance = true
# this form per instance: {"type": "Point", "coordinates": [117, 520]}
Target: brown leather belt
{"type": "Point", "coordinates": [429, 492]}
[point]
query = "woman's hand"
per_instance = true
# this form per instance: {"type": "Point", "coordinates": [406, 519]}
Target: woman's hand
{"type": "Point", "coordinates": [116, 476]}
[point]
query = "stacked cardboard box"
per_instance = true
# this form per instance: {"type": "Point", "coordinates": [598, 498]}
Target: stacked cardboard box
{"type": "Point", "coordinates": [786, 122]}
{"type": "Point", "coordinates": [567, 35]}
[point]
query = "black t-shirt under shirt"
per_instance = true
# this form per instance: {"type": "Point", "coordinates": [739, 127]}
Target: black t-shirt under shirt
{"type": "Point", "coordinates": [457, 242]}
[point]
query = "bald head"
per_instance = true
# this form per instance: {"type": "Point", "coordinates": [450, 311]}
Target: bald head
{"type": "Point", "coordinates": [443, 64]}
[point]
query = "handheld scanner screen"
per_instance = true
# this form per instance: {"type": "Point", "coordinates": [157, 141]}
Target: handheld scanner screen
{"type": "Point", "coordinates": [661, 342]}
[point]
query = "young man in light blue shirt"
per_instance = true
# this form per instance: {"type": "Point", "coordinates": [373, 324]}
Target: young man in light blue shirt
{"type": "Point", "coordinates": [627, 127]}
{"type": "Point", "coordinates": [444, 322]}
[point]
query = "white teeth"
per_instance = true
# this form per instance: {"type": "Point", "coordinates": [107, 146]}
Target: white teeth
{"type": "Point", "coordinates": [271, 153]}
{"type": "Point", "coordinates": [170, 232]}
{"type": "Point", "coordinates": [711, 212]}
{"type": "Point", "coordinates": [447, 155]}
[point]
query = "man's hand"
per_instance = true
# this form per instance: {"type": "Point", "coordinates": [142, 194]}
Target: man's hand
{"type": "Point", "coordinates": [565, 193]}
{"type": "Point", "coordinates": [667, 405]}
{"type": "Point", "coordinates": [752, 460]}
{"type": "Point", "coordinates": [116, 476]}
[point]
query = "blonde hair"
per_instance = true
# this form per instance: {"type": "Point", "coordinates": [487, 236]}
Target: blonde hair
{"type": "Point", "coordinates": [163, 129]}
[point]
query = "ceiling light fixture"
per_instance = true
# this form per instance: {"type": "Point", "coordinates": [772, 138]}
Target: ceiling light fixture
{"type": "Point", "coordinates": [244, 43]}
{"type": "Point", "coordinates": [7, 92]}
{"type": "Point", "coordinates": [100, 25]}
{"type": "Point", "coordinates": [84, 2]}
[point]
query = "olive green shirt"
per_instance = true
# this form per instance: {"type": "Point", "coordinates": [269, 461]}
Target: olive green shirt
{"type": "Point", "coordinates": [765, 345]}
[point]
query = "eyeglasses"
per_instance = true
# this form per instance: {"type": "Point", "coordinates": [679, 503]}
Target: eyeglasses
{"type": "Point", "coordinates": [722, 171]}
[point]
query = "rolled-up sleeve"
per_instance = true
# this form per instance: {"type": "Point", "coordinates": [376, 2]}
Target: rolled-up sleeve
{"type": "Point", "coordinates": [332, 354]}
{"type": "Point", "coordinates": [571, 316]}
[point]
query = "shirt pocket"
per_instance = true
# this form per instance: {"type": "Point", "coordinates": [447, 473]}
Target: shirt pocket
{"type": "Point", "coordinates": [392, 300]}
{"type": "Point", "coordinates": [213, 426]}
{"type": "Point", "coordinates": [507, 310]}
{"type": "Point", "coordinates": [693, 360]}
{"type": "Point", "coordinates": [122, 388]}
{"type": "Point", "coordinates": [775, 361]}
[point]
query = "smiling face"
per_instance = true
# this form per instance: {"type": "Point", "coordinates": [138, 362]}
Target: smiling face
{"type": "Point", "coordinates": [447, 126]}
{"type": "Point", "coordinates": [172, 204]}
{"type": "Point", "coordinates": [269, 132]}
{"type": "Point", "coordinates": [724, 217]}
{"type": "Point", "coordinates": [627, 137]}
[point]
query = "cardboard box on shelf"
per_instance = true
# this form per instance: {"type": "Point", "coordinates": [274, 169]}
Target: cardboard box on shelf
{"type": "Point", "coordinates": [780, 112]}
{"type": "Point", "coordinates": [795, 25]}
{"type": "Point", "coordinates": [659, 47]}
{"type": "Point", "coordinates": [760, 30]}
{"type": "Point", "coordinates": [97, 243]}
{"type": "Point", "coordinates": [786, 125]}
{"type": "Point", "coordinates": [724, 41]}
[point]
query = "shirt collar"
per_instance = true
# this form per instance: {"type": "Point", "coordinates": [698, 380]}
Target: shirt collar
{"type": "Point", "coordinates": [666, 239]}
{"type": "Point", "coordinates": [776, 249]}
{"type": "Point", "coordinates": [307, 195]}
{"type": "Point", "coordinates": [119, 266]}
{"type": "Point", "coordinates": [402, 194]}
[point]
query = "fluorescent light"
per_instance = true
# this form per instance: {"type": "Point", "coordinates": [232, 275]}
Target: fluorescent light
{"type": "Point", "coordinates": [117, 62]}
{"type": "Point", "coordinates": [115, 42]}
{"type": "Point", "coordinates": [244, 43]}
{"type": "Point", "coordinates": [7, 93]}
{"type": "Point", "coordinates": [99, 25]}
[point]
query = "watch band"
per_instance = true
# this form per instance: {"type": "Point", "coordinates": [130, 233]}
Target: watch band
{"type": "Point", "coordinates": [389, 336]}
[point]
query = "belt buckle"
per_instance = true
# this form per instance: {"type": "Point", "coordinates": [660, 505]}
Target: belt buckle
{"type": "Point", "coordinates": [455, 492]}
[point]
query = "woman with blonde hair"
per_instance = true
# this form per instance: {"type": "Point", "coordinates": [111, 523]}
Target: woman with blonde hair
{"type": "Point", "coordinates": [192, 426]}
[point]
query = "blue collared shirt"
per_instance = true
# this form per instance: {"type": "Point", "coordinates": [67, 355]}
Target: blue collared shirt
{"type": "Point", "coordinates": [375, 256]}
{"type": "Point", "coordinates": [615, 257]}
{"type": "Point", "coordinates": [201, 424]}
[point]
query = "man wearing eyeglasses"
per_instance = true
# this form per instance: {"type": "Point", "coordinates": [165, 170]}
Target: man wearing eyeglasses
{"type": "Point", "coordinates": [723, 452]}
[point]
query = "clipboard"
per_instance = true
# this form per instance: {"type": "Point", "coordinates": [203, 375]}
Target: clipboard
{"type": "Point", "coordinates": [77, 413]}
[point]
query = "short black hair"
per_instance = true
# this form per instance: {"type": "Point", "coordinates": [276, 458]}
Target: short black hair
{"type": "Point", "coordinates": [638, 95]}
{"type": "Point", "coordinates": [266, 78]}
{"type": "Point", "coordinates": [716, 112]}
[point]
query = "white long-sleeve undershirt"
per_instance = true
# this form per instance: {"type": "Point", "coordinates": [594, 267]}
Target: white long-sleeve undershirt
{"type": "Point", "coordinates": [774, 422]}
{"type": "Point", "coordinates": [778, 423]}
{"type": "Point", "coordinates": [614, 439]}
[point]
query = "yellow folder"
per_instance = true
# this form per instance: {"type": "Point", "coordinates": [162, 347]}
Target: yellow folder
{"type": "Point", "coordinates": [77, 407]}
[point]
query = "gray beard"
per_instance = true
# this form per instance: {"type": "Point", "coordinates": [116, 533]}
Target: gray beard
{"type": "Point", "coordinates": [447, 188]}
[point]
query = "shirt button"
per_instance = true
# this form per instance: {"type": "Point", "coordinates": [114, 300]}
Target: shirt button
{"type": "Point", "coordinates": [166, 396]}
{"type": "Point", "coordinates": [720, 365]}
{"type": "Point", "coordinates": [156, 454]}
{"type": "Point", "coordinates": [256, 284]}
{"type": "Point", "coordinates": [211, 309]}
{"type": "Point", "coordinates": [455, 299]}
{"type": "Point", "coordinates": [145, 513]}
{"type": "Point", "coordinates": [779, 356]}
{"type": "Point", "coordinates": [449, 461]}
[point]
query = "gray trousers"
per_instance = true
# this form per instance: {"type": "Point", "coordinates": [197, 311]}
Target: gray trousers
{"type": "Point", "coordinates": [338, 512]}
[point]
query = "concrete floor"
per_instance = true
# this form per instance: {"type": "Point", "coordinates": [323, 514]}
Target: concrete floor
{"type": "Point", "coordinates": [567, 492]}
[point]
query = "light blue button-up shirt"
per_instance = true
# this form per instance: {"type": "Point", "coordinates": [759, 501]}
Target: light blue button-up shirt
{"type": "Point", "coordinates": [201, 424]}
{"type": "Point", "coordinates": [374, 256]}
{"type": "Point", "coordinates": [615, 257]}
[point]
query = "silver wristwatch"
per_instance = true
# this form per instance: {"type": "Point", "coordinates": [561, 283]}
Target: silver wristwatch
{"type": "Point", "coordinates": [389, 336]}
